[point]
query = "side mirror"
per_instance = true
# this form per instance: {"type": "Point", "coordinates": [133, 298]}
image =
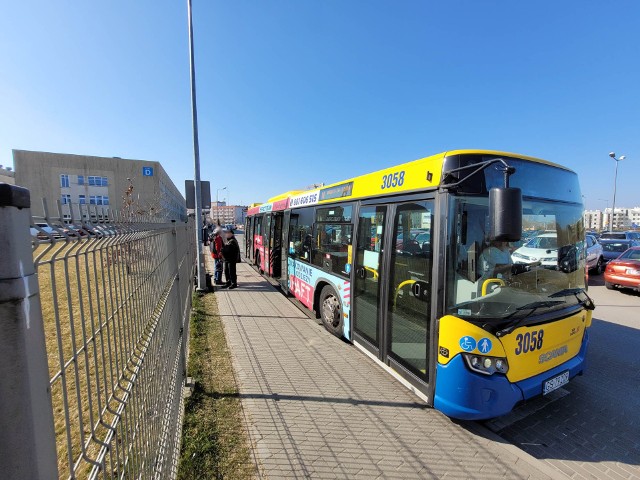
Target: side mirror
{"type": "Point", "coordinates": [505, 214]}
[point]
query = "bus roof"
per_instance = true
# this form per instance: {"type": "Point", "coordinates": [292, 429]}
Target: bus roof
{"type": "Point", "coordinates": [416, 175]}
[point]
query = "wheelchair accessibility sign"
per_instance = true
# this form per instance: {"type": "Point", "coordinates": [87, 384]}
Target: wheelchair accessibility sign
{"type": "Point", "coordinates": [147, 171]}
{"type": "Point", "coordinates": [468, 344]}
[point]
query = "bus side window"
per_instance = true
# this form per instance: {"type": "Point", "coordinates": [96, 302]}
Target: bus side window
{"type": "Point", "coordinates": [331, 246]}
{"type": "Point", "coordinates": [300, 231]}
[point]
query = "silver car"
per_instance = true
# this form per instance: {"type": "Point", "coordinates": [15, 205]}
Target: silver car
{"type": "Point", "coordinates": [595, 258]}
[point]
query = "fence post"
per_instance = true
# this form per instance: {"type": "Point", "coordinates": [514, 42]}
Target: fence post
{"type": "Point", "coordinates": [27, 436]}
{"type": "Point", "coordinates": [181, 319]}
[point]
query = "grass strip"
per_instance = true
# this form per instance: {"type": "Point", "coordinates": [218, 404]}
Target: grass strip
{"type": "Point", "coordinates": [214, 440]}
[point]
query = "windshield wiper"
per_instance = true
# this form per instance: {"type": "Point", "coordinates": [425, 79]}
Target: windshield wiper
{"type": "Point", "coordinates": [533, 306]}
{"type": "Point", "coordinates": [586, 302]}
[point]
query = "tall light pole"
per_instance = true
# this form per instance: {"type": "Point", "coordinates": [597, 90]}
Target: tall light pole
{"type": "Point", "coordinates": [615, 182]}
{"type": "Point", "coordinates": [218, 203]}
{"type": "Point", "coordinates": [202, 281]}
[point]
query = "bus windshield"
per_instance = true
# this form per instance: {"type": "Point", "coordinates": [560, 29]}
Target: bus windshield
{"type": "Point", "coordinates": [493, 281]}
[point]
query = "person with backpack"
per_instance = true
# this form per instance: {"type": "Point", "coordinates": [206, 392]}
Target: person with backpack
{"type": "Point", "coordinates": [231, 256]}
{"type": "Point", "coordinates": [215, 246]}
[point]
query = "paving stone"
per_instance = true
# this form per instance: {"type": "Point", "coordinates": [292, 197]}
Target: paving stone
{"type": "Point", "coordinates": [318, 408]}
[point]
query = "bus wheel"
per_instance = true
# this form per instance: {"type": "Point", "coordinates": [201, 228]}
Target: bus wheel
{"type": "Point", "coordinates": [331, 311]}
{"type": "Point", "coordinates": [256, 262]}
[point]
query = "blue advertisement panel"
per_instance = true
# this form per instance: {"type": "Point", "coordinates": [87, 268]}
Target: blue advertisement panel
{"type": "Point", "coordinates": [303, 281]}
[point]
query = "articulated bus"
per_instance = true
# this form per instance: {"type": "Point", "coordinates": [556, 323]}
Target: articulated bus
{"type": "Point", "coordinates": [413, 264]}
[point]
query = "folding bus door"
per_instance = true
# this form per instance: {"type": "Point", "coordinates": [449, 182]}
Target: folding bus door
{"type": "Point", "coordinates": [392, 286]}
{"type": "Point", "coordinates": [275, 245]}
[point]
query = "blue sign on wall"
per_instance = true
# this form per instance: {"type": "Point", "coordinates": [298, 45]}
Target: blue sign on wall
{"type": "Point", "coordinates": [147, 171]}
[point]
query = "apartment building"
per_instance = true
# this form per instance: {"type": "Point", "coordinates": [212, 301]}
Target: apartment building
{"type": "Point", "coordinates": [623, 219]}
{"type": "Point", "coordinates": [227, 214]}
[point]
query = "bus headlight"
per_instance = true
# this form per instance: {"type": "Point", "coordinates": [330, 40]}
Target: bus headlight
{"type": "Point", "coordinates": [486, 365]}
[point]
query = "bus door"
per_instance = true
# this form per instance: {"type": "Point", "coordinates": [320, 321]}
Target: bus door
{"type": "Point", "coordinates": [248, 237]}
{"type": "Point", "coordinates": [284, 252]}
{"type": "Point", "coordinates": [265, 253]}
{"type": "Point", "coordinates": [367, 290]}
{"type": "Point", "coordinates": [392, 294]}
{"type": "Point", "coordinates": [275, 245]}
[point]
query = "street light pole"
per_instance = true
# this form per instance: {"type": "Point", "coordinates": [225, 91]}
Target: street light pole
{"type": "Point", "coordinates": [615, 182]}
{"type": "Point", "coordinates": [201, 275]}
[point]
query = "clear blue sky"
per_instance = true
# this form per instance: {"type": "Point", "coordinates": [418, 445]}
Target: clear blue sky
{"type": "Point", "coordinates": [302, 91]}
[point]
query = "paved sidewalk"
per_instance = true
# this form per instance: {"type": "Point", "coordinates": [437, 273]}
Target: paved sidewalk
{"type": "Point", "coordinates": [317, 407]}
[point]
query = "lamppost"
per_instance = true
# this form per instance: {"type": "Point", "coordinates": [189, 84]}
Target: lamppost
{"type": "Point", "coordinates": [615, 181]}
{"type": "Point", "coordinates": [201, 273]}
{"type": "Point", "coordinates": [218, 203]}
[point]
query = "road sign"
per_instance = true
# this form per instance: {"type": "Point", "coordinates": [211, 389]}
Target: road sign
{"type": "Point", "coordinates": [205, 194]}
{"type": "Point", "coordinates": [468, 344]}
{"type": "Point", "coordinates": [484, 345]}
{"type": "Point", "coordinates": [147, 171]}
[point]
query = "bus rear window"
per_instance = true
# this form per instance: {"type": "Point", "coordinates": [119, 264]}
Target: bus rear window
{"type": "Point", "coordinates": [613, 236]}
{"type": "Point", "coordinates": [614, 247]}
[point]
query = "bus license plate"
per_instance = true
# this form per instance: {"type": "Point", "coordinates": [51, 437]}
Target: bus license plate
{"type": "Point", "coordinates": [555, 383]}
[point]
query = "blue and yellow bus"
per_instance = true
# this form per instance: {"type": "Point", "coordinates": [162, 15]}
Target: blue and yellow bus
{"type": "Point", "coordinates": [414, 265]}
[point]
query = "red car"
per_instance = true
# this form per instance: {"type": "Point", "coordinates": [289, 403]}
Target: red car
{"type": "Point", "coordinates": [624, 271]}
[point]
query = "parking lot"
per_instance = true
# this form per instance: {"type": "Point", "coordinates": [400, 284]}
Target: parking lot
{"type": "Point", "coordinates": [591, 429]}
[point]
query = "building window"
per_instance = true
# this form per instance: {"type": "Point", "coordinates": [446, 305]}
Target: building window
{"type": "Point", "coordinates": [65, 199]}
{"type": "Point", "coordinates": [80, 179]}
{"type": "Point", "coordinates": [64, 180]}
{"type": "Point", "coordinates": [99, 200]}
{"type": "Point", "coordinates": [82, 199]}
{"type": "Point", "coordinates": [98, 181]}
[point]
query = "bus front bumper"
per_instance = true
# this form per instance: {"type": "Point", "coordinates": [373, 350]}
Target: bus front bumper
{"type": "Point", "coordinates": [466, 395]}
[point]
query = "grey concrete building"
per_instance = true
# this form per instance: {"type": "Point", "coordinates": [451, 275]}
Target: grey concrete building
{"type": "Point", "coordinates": [110, 182]}
{"type": "Point", "coordinates": [7, 175]}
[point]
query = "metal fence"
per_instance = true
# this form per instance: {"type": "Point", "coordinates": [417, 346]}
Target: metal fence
{"type": "Point", "coordinates": [97, 311]}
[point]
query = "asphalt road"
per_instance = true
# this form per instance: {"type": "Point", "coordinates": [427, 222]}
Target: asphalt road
{"type": "Point", "coordinates": [592, 429]}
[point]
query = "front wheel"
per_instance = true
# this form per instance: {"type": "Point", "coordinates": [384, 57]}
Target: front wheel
{"type": "Point", "coordinates": [598, 268]}
{"type": "Point", "coordinates": [331, 311]}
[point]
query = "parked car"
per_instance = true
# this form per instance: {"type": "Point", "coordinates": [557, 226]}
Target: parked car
{"type": "Point", "coordinates": [624, 271]}
{"type": "Point", "coordinates": [611, 249]}
{"type": "Point", "coordinates": [43, 231]}
{"type": "Point", "coordinates": [543, 249]}
{"type": "Point", "coordinates": [618, 236]}
{"type": "Point", "coordinates": [595, 257]}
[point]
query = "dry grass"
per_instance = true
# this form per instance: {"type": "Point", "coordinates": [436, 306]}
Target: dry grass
{"type": "Point", "coordinates": [93, 320]}
{"type": "Point", "coordinates": [214, 440]}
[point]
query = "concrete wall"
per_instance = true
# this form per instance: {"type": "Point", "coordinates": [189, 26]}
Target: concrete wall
{"type": "Point", "coordinates": [40, 172]}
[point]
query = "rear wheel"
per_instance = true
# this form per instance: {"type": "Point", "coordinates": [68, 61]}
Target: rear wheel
{"type": "Point", "coordinates": [257, 262]}
{"type": "Point", "coordinates": [609, 285]}
{"type": "Point", "coordinates": [331, 311]}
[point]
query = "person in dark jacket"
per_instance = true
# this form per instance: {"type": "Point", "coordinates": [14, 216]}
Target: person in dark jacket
{"type": "Point", "coordinates": [231, 256]}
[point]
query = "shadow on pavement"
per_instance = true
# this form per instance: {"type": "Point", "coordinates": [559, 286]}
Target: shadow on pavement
{"type": "Point", "coordinates": [599, 420]}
